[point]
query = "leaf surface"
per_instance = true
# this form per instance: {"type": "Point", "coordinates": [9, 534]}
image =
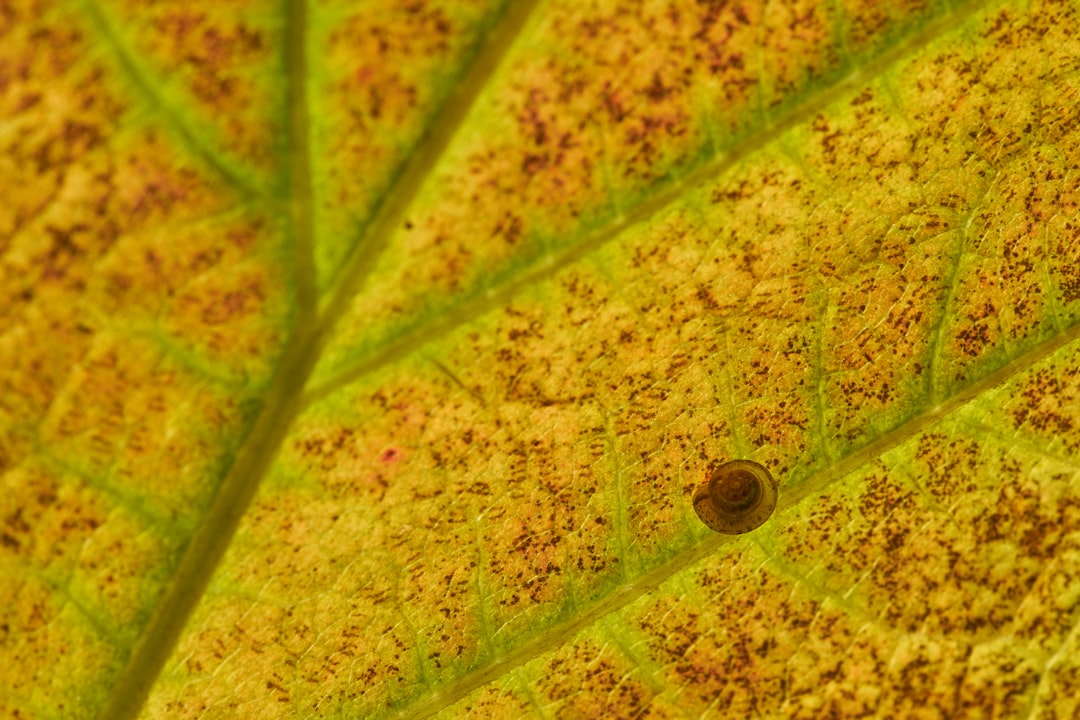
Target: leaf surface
{"type": "Point", "coordinates": [362, 359]}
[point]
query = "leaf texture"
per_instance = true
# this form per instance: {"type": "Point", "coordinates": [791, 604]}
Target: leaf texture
{"type": "Point", "coordinates": [361, 359]}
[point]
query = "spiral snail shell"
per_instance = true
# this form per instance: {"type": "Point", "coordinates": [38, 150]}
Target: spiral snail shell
{"type": "Point", "coordinates": [739, 496]}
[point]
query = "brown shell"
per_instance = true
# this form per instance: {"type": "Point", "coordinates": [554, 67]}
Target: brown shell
{"type": "Point", "coordinates": [739, 496]}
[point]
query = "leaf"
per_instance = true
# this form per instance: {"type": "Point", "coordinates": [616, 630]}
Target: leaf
{"type": "Point", "coordinates": [361, 360]}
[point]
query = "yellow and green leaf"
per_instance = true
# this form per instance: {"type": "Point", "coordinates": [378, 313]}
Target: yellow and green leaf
{"type": "Point", "coordinates": [360, 360]}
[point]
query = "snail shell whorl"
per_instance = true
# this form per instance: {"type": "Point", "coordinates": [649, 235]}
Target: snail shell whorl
{"type": "Point", "coordinates": [739, 496]}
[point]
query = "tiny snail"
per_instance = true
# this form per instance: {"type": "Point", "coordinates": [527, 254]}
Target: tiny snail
{"type": "Point", "coordinates": [739, 496]}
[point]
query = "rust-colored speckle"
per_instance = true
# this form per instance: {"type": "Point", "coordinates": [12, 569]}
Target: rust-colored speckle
{"type": "Point", "coordinates": [599, 108]}
{"type": "Point", "coordinates": [387, 69]}
{"type": "Point", "coordinates": [217, 58]}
